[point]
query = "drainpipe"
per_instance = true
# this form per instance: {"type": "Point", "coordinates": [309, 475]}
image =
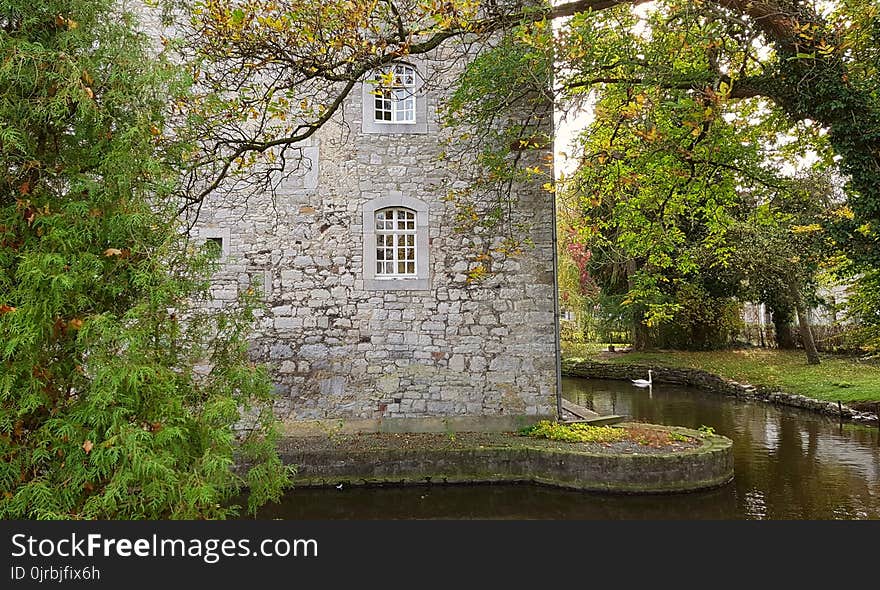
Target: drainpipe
{"type": "Point", "coordinates": [557, 329]}
{"type": "Point", "coordinates": [556, 318]}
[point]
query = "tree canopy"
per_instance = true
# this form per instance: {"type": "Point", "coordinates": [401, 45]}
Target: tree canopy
{"type": "Point", "coordinates": [693, 92]}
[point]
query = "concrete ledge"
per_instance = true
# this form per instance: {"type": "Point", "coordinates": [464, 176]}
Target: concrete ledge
{"type": "Point", "coordinates": [512, 423]}
{"type": "Point", "coordinates": [707, 466]}
{"type": "Point", "coordinates": [710, 382]}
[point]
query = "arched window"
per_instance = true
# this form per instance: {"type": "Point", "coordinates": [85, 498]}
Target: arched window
{"type": "Point", "coordinates": [393, 99]}
{"type": "Point", "coordinates": [395, 95]}
{"type": "Point", "coordinates": [396, 244]}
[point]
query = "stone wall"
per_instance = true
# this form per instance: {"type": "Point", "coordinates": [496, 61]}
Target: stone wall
{"type": "Point", "coordinates": [340, 350]}
{"type": "Point", "coordinates": [711, 382]}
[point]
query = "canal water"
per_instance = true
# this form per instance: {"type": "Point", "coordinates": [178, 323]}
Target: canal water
{"type": "Point", "coordinates": [789, 465]}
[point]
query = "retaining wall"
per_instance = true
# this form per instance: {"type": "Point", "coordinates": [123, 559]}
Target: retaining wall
{"type": "Point", "coordinates": [707, 466]}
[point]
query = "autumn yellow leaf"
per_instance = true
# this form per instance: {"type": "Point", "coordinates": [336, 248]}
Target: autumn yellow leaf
{"type": "Point", "coordinates": [112, 252]}
{"type": "Point", "coordinates": [843, 213]}
{"type": "Point", "coordinates": [87, 446]}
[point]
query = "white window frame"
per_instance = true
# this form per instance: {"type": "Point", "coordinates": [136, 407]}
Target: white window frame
{"type": "Point", "coordinates": [419, 280]}
{"type": "Point", "coordinates": [409, 95]}
{"type": "Point", "coordinates": [396, 246]}
{"type": "Point", "coordinates": [398, 101]}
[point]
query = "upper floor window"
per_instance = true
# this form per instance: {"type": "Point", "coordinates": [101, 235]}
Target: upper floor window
{"type": "Point", "coordinates": [395, 243]}
{"type": "Point", "coordinates": [395, 99]}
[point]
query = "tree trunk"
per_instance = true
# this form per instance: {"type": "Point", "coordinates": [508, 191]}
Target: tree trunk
{"type": "Point", "coordinates": [782, 328]}
{"type": "Point", "coordinates": [806, 331]}
{"type": "Point", "coordinates": [639, 329]}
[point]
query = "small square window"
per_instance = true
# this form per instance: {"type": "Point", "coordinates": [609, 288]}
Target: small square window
{"type": "Point", "coordinates": [215, 246]}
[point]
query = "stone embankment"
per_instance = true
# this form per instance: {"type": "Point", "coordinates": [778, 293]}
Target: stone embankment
{"type": "Point", "coordinates": [327, 461]}
{"type": "Point", "coordinates": [714, 383]}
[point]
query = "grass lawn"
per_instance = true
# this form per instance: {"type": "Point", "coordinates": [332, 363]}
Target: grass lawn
{"type": "Point", "coordinates": [846, 379]}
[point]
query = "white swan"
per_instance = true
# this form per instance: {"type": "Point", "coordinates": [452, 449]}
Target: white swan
{"type": "Point", "coordinates": [642, 382]}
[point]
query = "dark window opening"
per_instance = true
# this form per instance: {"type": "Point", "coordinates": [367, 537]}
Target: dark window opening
{"type": "Point", "coordinates": [215, 245]}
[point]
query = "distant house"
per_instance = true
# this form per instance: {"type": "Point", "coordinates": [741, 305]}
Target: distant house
{"type": "Point", "coordinates": [828, 319]}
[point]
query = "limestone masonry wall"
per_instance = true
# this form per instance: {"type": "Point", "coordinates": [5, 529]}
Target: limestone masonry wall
{"type": "Point", "coordinates": [338, 349]}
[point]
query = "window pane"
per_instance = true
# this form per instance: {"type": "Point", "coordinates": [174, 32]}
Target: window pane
{"type": "Point", "coordinates": [383, 106]}
{"type": "Point", "coordinates": [410, 240]}
{"type": "Point", "coordinates": [401, 268]}
{"type": "Point", "coordinates": [406, 111]}
{"type": "Point", "coordinates": [411, 268]}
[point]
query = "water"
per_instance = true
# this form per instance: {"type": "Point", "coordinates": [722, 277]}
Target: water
{"type": "Point", "coordinates": [789, 465]}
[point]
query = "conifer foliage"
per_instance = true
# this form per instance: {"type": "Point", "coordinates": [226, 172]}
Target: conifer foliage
{"type": "Point", "coordinates": [120, 396]}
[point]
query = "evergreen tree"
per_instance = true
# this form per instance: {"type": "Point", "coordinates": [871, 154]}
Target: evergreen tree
{"type": "Point", "coordinates": [120, 395]}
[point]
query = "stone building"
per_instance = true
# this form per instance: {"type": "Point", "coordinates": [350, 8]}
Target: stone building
{"type": "Point", "coordinates": [369, 310]}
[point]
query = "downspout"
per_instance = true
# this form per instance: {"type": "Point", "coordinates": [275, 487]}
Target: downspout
{"type": "Point", "coordinates": [556, 318]}
{"type": "Point", "coordinates": [557, 328]}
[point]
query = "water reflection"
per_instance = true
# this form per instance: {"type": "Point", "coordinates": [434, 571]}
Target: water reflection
{"type": "Point", "coordinates": [789, 464]}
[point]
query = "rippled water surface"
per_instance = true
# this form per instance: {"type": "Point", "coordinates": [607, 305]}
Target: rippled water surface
{"type": "Point", "coordinates": [789, 464]}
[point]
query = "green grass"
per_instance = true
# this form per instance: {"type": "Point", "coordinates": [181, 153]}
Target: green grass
{"type": "Point", "coordinates": [846, 379]}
